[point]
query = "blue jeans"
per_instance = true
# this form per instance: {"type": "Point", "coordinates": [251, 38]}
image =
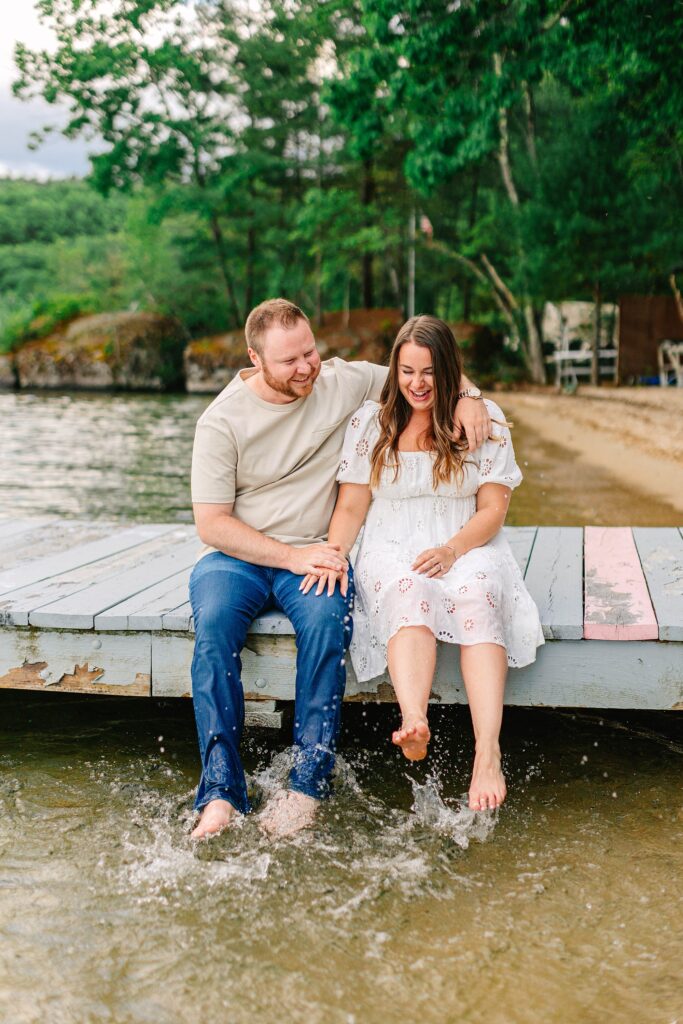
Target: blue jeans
{"type": "Point", "coordinates": [226, 595]}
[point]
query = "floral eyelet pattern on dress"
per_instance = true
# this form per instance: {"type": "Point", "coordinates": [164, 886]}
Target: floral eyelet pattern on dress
{"type": "Point", "coordinates": [482, 599]}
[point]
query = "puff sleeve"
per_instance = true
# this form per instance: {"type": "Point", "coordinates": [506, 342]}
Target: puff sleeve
{"type": "Point", "coordinates": [359, 441]}
{"type": "Point", "coordinates": [497, 463]}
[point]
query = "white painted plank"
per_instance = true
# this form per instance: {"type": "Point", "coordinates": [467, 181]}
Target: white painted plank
{"type": "Point", "coordinates": [22, 540]}
{"type": "Point", "coordinates": [16, 606]}
{"type": "Point", "coordinates": [80, 555]}
{"type": "Point", "coordinates": [54, 536]}
{"type": "Point", "coordinates": [80, 662]}
{"type": "Point", "coordinates": [661, 556]}
{"type": "Point", "coordinates": [270, 624]}
{"type": "Point", "coordinates": [78, 610]}
{"type": "Point", "coordinates": [146, 609]}
{"type": "Point", "coordinates": [179, 620]}
{"type": "Point", "coordinates": [267, 666]}
{"type": "Point", "coordinates": [521, 539]}
{"type": "Point", "coordinates": [567, 673]}
{"type": "Point", "coordinates": [554, 578]}
{"type": "Point", "coordinates": [15, 527]}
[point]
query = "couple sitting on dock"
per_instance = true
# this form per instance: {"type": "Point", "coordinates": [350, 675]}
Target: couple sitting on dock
{"type": "Point", "coordinates": [289, 461]}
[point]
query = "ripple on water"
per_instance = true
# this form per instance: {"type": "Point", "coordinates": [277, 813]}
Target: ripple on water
{"type": "Point", "coordinates": [398, 895]}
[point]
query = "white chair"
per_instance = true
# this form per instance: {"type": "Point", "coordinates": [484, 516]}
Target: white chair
{"type": "Point", "coordinates": [670, 359]}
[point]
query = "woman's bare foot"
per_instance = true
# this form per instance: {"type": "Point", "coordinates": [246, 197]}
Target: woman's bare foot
{"type": "Point", "coordinates": [216, 816]}
{"type": "Point", "coordinates": [412, 738]}
{"type": "Point", "coordinates": [287, 813]}
{"type": "Point", "coordinates": [487, 788]}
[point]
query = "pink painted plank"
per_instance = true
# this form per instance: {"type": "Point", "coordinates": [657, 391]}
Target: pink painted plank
{"type": "Point", "coordinates": [617, 605]}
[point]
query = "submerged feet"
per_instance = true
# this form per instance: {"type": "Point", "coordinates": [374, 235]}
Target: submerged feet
{"type": "Point", "coordinates": [215, 817]}
{"type": "Point", "coordinates": [487, 788]}
{"type": "Point", "coordinates": [287, 813]}
{"type": "Point", "coordinates": [413, 738]}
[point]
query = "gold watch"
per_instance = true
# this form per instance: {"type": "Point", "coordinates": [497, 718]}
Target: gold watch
{"type": "Point", "coordinates": [470, 393]}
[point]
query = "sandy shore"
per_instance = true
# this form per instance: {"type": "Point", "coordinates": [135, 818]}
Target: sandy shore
{"type": "Point", "coordinates": [634, 435]}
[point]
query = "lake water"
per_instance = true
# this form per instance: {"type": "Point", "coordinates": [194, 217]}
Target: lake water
{"type": "Point", "coordinates": [565, 906]}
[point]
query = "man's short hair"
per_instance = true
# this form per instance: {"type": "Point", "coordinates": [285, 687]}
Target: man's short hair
{"type": "Point", "coordinates": [273, 311]}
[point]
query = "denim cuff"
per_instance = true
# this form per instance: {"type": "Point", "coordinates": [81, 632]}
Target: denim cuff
{"type": "Point", "coordinates": [239, 802]}
{"type": "Point", "coordinates": [311, 772]}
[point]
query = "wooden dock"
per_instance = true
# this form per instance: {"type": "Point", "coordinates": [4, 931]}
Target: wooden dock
{"type": "Point", "coordinates": [97, 607]}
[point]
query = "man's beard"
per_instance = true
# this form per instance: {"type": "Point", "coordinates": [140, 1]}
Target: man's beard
{"type": "Point", "coordinates": [285, 387]}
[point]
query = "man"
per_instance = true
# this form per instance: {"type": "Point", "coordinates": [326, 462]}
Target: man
{"type": "Point", "coordinates": [265, 459]}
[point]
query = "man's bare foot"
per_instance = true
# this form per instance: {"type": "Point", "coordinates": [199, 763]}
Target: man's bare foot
{"type": "Point", "coordinates": [287, 813]}
{"type": "Point", "coordinates": [487, 788]}
{"type": "Point", "coordinates": [216, 815]}
{"type": "Point", "coordinates": [412, 738]}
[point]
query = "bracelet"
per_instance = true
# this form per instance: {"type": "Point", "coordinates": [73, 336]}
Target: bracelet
{"type": "Point", "coordinates": [453, 552]}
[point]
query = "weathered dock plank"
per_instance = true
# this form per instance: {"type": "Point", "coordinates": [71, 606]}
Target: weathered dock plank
{"type": "Point", "coordinates": [76, 557]}
{"type": "Point", "coordinates": [32, 659]}
{"type": "Point", "coordinates": [146, 609]}
{"type": "Point", "coordinates": [617, 603]}
{"type": "Point", "coordinates": [17, 605]}
{"type": "Point", "coordinates": [661, 556]}
{"type": "Point", "coordinates": [112, 616]}
{"type": "Point", "coordinates": [14, 528]}
{"type": "Point", "coordinates": [521, 540]}
{"type": "Point", "coordinates": [77, 610]}
{"type": "Point", "coordinates": [570, 673]}
{"type": "Point", "coordinates": [268, 664]}
{"type": "Point", "coordinates": [53, 537]}
{"type": "Point", "coordinates": [179, 619]}
{"type": "Point", "coordinates": [554, 578]}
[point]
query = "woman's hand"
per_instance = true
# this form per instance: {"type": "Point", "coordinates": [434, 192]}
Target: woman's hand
{"type": "Point", "coordinates": [326, 578]}
{"type": "Point", "coordinates": [435, 562]}
{"type": "Point", "coordinates": [473, 420]}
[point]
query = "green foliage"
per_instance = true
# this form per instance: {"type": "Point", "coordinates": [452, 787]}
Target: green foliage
{"type": "Point", "coordinates": [249, 152]}
{"type": "Point", "coordinates": [42, 317]}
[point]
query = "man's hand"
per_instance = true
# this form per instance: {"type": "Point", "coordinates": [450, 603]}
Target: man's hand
{"type": "Point", "coordinates": [315, 558]}
{"type": "Point", "coordinates": [472, 419]}
{"type": "Point", "coordinates": [326, 579]}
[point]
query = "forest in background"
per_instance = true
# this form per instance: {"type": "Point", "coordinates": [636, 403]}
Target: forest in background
{"type": "Point", "coordinates": [505, 154]}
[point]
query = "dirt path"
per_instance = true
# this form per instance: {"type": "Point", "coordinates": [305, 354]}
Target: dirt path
{"type": "Point", "coordinates": [602, 456]}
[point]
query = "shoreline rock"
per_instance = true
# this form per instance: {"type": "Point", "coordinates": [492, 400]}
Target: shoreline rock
{"type": "Point", "coordinates": [8, 373]}
{"type": "Point", "coordinates": [105, 351]}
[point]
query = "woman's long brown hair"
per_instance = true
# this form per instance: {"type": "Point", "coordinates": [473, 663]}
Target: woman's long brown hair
{"type": "Point", "coordinates": [431, 333]}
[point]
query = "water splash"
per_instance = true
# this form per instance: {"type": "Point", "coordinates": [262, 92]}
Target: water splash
{"type": "Point", "coordinates": [459, 823]}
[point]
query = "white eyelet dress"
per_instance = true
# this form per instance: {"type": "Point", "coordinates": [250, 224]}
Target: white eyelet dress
{"type": "Point", "coordinates": [482, 599]}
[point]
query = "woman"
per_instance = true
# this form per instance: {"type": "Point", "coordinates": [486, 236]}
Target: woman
{"type": "Point", "coordinates": [433, 564]}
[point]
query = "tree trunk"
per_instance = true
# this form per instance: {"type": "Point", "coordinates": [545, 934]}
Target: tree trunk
{"type": "Point", "coordinates": [222, 263]}
{"type": "Point", "coordinates": [368, 196]}
{"type": "Point", "coordinates": [471, 221]}
{"type": "Point", "coordinates": [530, 125]}
{"type": "Point", "coordinates": [534, 346]}
{"type": "Point", "coordinates": [410, 298]}
{"type": "Point", "coordinates": [319, 287]}
{"type": "Point", "coordinates": [534, 343]}
{"type": "Point", "coordinates": [595, 360]}
{"type": "Point", "coordinates": [249, 275]}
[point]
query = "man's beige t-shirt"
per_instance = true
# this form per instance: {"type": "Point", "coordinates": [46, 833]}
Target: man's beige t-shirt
{"type": "Point", "coordinates": [278, 463]}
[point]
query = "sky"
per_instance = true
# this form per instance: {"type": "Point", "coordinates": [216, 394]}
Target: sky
{"type": "Point", "coordinates": [57, 157]}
